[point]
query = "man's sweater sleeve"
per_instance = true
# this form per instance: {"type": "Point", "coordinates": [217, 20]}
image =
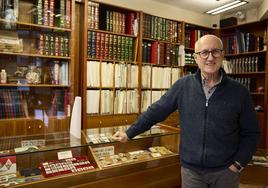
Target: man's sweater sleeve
{"type": "Point", "coordinates": [249, 131]}
{"type": "Point", "coordinates": [155, 113]}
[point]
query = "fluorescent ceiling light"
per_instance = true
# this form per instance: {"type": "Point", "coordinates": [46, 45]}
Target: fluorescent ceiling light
{"type": "Point", "coordinates": [226, 7]}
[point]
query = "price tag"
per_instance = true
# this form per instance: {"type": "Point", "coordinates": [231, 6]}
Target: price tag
{"type": "Point", "coordinates": [65, 155]}
{"type": "Point", "coordinates": [27, 143]}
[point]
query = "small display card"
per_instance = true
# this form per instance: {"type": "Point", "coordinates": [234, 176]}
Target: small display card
{"type": "Point", "coordinates": [65, 155]}
{"type": "Point", "coordinates": [104, 151]}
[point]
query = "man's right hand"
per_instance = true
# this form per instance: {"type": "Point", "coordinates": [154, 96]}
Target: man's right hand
{"type": "Point", "coordinates": [120, 136]}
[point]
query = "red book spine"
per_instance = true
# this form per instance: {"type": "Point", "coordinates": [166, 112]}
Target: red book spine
{"type": "Point", "coordinates": [68, 14]}
{"type": "Point", "coordinates": [130, 22]}
{"type": "Point", "coordinates": [192, 41]}
{"type": "Point", "coordinates": [154, 53]}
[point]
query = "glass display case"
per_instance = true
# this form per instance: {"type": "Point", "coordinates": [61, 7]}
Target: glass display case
{"type": "Point", "coordinates": [59, 158]}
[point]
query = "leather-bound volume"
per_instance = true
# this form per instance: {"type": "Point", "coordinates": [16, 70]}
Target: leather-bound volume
{"type": "Point", "coordinates": [130, 23]}
{"type": "Point", "coordinates": [154, 53]}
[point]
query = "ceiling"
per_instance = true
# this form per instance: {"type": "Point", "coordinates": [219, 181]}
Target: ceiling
{"type": "Point", "coordinates": [202, 6]}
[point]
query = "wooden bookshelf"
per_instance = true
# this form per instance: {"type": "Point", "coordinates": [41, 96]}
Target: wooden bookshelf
{"type": "Point", "coordinates": [36, 50]}
{"type": "Point", "coordinates": [110, 45]}
{"type": "Point", "coordinates": [244, 48]}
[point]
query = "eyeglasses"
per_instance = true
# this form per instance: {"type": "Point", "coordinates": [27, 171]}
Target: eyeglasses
{"type": "Point", "coordinates": [205, 53]}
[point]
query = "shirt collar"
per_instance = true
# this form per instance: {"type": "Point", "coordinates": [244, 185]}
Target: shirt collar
{"type": "Point", "coordinates": [204, 82]}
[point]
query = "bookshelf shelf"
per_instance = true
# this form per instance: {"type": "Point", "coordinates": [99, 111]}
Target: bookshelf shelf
{"type": "Point", "coordinates": [111, 115]}
{"type": "Point", "coordinates": [160, 41]}
{"type": "Point", "coordinates": [250, 25]}
{"type": "Point", "coordinates": [120, 88]}
{"type": "Point", "coordinates": [107, 88]}
{"type": "Point", "coordinates": [34, 85]}
{"type": "Point", "coordinates": [189, 49]}
{"type": "Point", "coordinates": [257, 93]}
{"type": "Point", "coordinates": [33, 55]}
{"type": "Point", "coordinates": [246, 54]}
{"type": "Point", "coordinates": [111, 61]}
{"type": "Point", "coordinates": [161, 65]}
{"type": "Point", "coordinates": [190, 65]}
{"type": "Point", "coordinates": [159, 89]}
{"type": "Point", "coordinates": [248, 73]}
{"type": "Point", "coordinates": [34, 26]}
{"type": "Point", "coordinates": [108, 32]}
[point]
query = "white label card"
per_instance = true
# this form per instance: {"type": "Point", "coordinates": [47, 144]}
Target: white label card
{"type": "Point", "coordinates": [27, 143]}
{"type": "Point", "coordinates": [65, 155]}
{"type": "Point", "coordinates": [104, 151]}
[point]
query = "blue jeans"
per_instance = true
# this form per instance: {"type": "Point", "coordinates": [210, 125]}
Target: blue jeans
{"type": "Point", "coordinates": [220, 179]}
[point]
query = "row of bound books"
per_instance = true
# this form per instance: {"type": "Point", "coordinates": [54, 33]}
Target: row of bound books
{"type": "Point", "coordinates": [243, 65]}
{"type": "Point", "coordinates": [93, 15]}
{"type": "Point", "coordinates": [13, 103]}
{"type": "Point", "coordinates": [159, 77]}
{"type": "Point", "coordinates": [54, 13]}
{"type": "Point", "coordinates": [108, 102]}
{"type": "Point", "coordinates": [247, 82]}
{"type": "Point", "coordinates": [192, 35]}
{"type": "Point", "coordinates": [53, 44]}
{"type": "Point", "coordinates": [60, 105]}
{"type": "Point", "coordinates": [240, 42]}
{"type": "Point", "coordinates": [149, 97]}
{"type": "Point", "coordinates": [118, 75]}
{"type": "Point", "coordinates": [109, 46]}
{"type": "Point", "coordinates": [160, 53]}
{"type": "Point", "coordinates": [101, 17]}
{"type": "Point", "coordinates": [161, 29]}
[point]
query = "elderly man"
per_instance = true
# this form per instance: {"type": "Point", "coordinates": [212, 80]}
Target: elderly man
{"type": "Point", "coordinates": [219, 129]}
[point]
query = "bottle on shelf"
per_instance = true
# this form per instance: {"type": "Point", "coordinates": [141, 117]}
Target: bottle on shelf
{"type": "Point", "coordinates": [3, 76]}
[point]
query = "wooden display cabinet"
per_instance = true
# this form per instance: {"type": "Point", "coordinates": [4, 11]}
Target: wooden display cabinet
{"type": "Point", "coordinates": [255, 172]}
{"type": "Point", "coordinates": [145, 157]}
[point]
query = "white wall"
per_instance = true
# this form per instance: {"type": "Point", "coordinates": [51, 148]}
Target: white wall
{"type": "Point", "coordinates": [166, 11]}
{"type": "Point", "coordinates": [263, 10]}
{"type": "Point", "coordinates": [251, 15]}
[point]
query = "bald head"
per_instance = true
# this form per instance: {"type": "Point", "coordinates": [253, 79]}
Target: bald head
{"type": "Point", "coordinates": [205, 39]}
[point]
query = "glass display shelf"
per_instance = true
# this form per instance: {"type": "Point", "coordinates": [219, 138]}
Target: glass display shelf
{"type": "Point", "coordinates": [23, 144]}
{"type": "Point", "coordinates": [157, 144]}
{"type": "Point", "coordinates": [103, 135]}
